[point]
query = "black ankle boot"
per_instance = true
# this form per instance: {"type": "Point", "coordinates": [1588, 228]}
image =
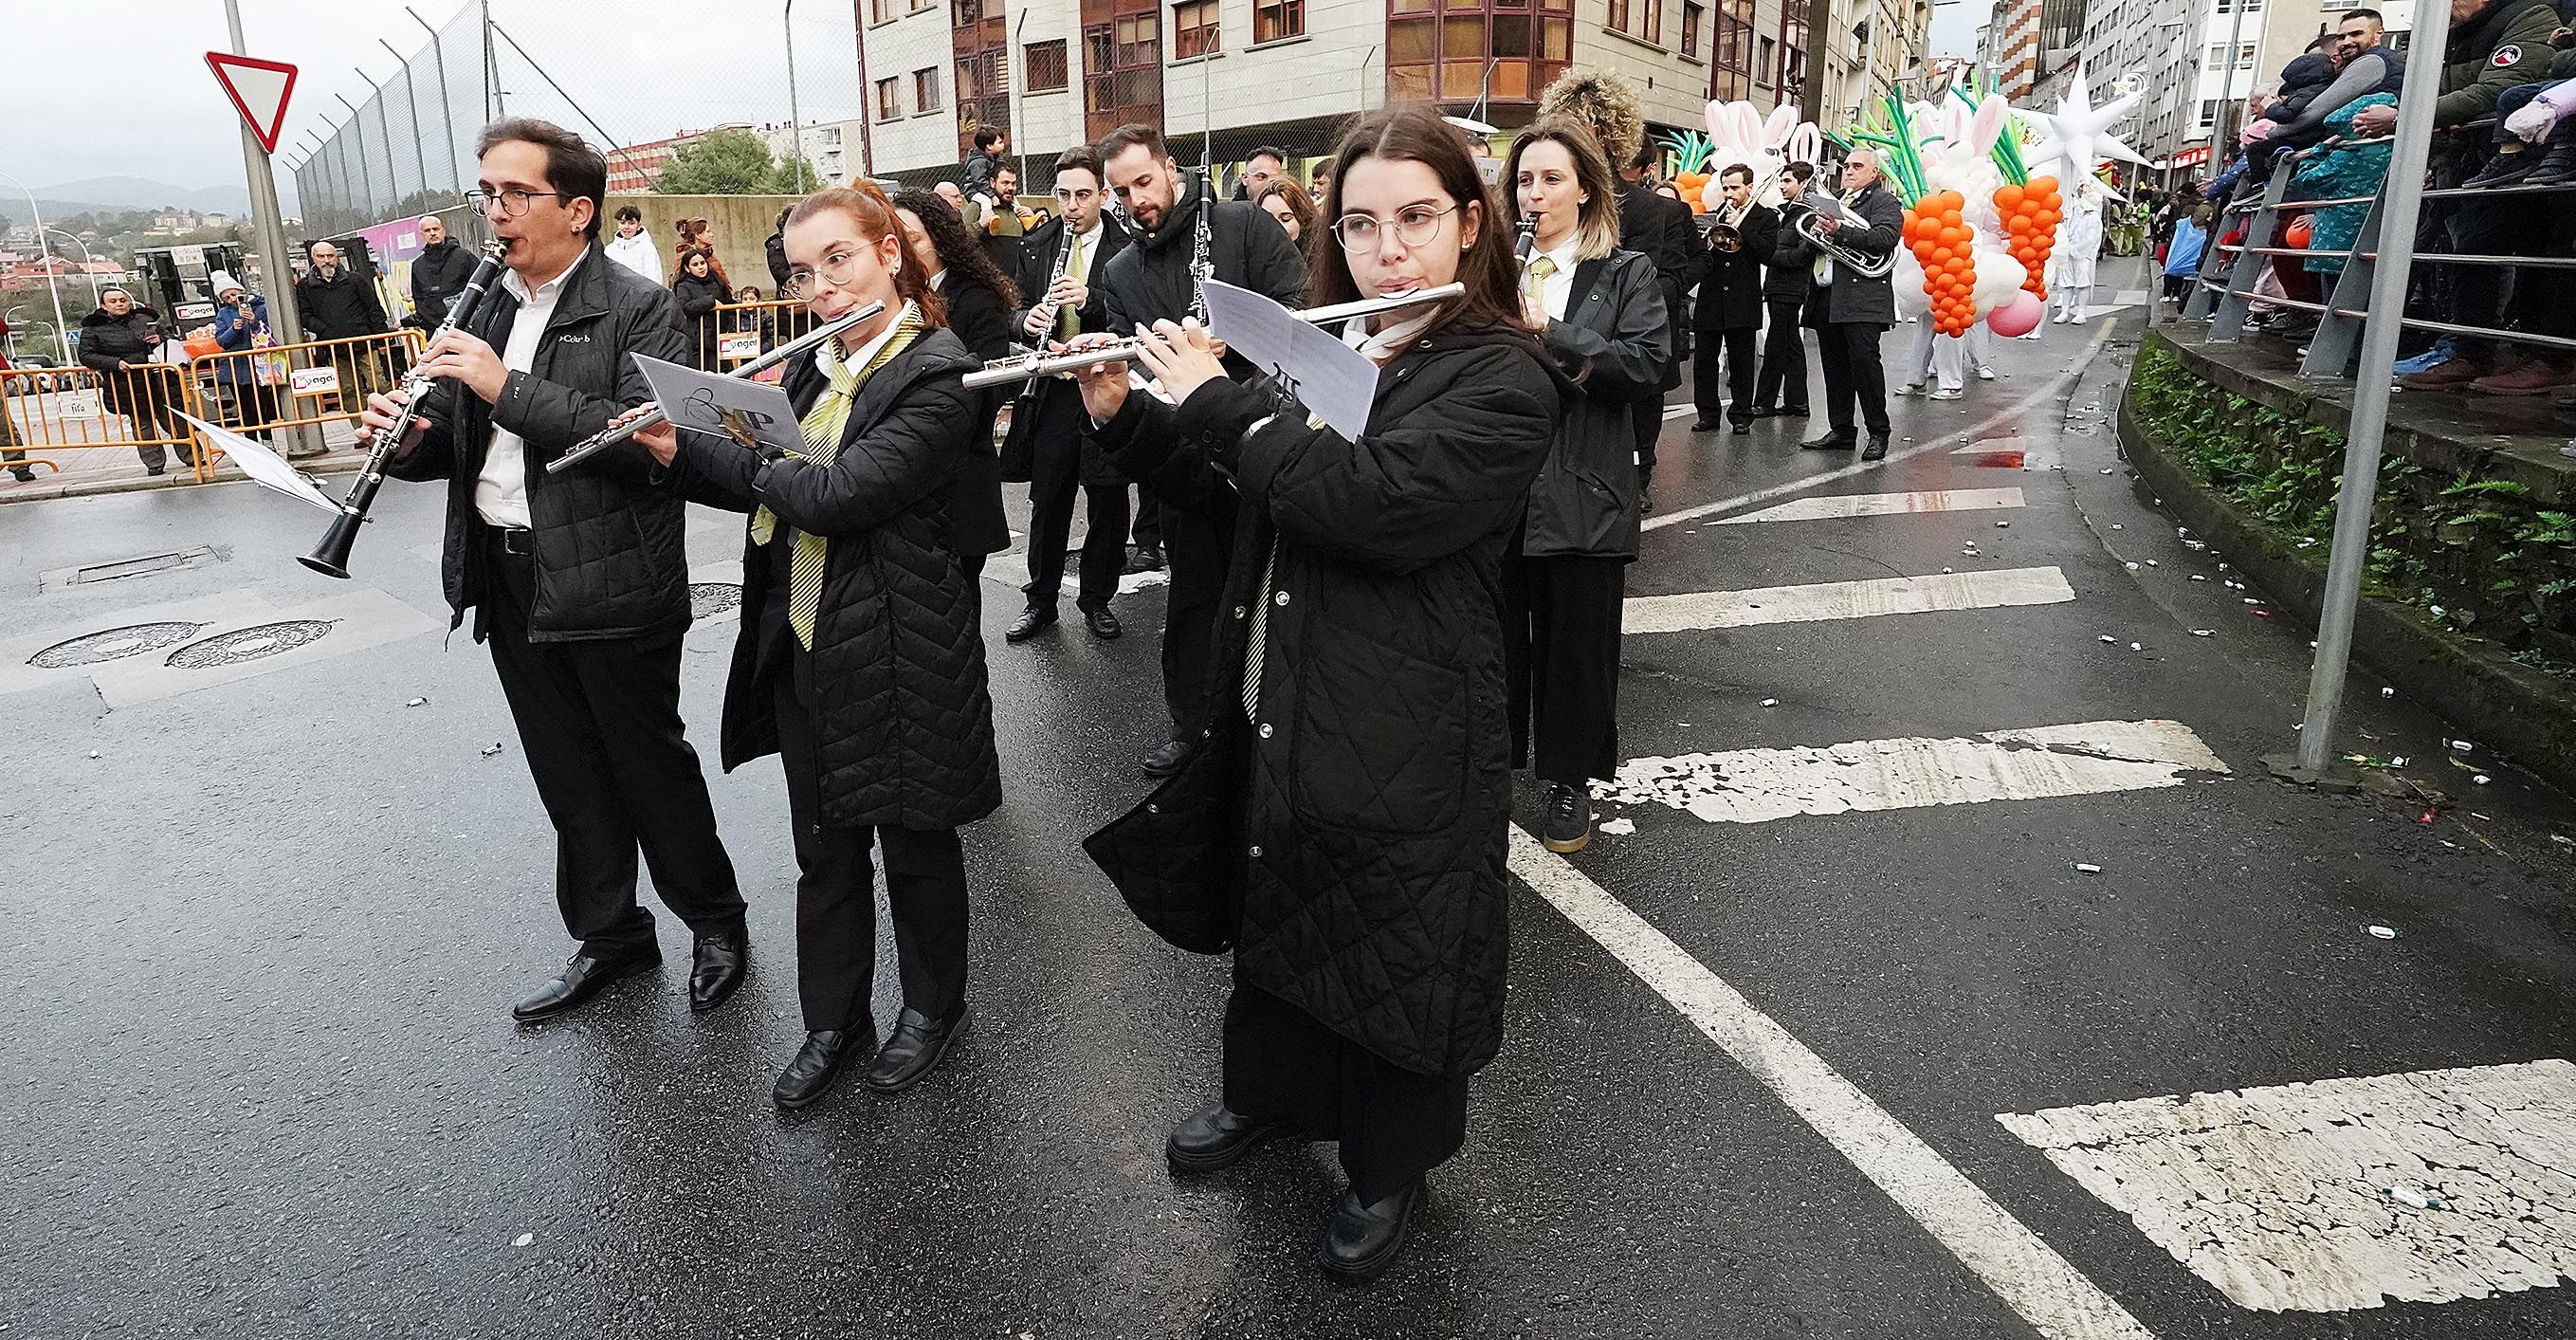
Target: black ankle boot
{"type": "Point", "coordinates": [1215, 1138]}
{"type": "Point", "coordinates": [1362, 1241]}
{"type": "Point", "coordinates": [2555, 168]}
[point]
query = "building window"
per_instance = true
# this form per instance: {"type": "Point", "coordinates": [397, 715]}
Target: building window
{"type": "Point", "coordinates": [1793, 48]}
{"type": "Point", "coordinates": [1766, 61]}
{"type": "Point", "coordinates": [1735, 71]}
{"type": "Point", "coordinates": [1693, 19]}
{"type": "Point", "coordinates": [880, 11]}
{"type": "Point", "coordinates": [889, 99]}
{"type": "Point", "coordinates": [1654, 21]}
{"type": "Point", "coordinates": [1273, 20]}
{"type": "Point", "coordinates": [1619, 14]}
{"type": "Point", "coordinates": [1044, 62]}
{"type": "Point", "coordinates": [1446, 56]}
{"type": "Point", "coordinates": [1194, 29]}
{"type": "Point", "coordinates": [925, 90]}
{"type": "Point", "coordinates": [1122, 64]}
{"type": "Point", "coordinates": [2208, 113]}
{"type": "Point", "coordinates": [916, 6]}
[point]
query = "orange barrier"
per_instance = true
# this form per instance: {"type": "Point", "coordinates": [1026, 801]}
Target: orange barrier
{"type": "Point", "coordinates": [320, 382]}
{"type": "Point", "coordinates": [746, 330]}
{"type": "Point", "coordinates": [48, 413]}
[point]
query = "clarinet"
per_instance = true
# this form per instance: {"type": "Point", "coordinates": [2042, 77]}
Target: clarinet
{"type": "Point", "coordinates": [1063, 260]}
{"type": "Point", "coordinates": [1529, 240]}
{"type": "Point", "coordinates": [1201, 268]}
{"type": "Point", "coordinates": [331, 556]}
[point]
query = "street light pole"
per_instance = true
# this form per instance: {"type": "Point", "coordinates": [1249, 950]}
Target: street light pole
{"type": "Point", "coordinates": [795, 111]}
{"type": "Point", "coordinates": [62, 333]}
{"type": "Point", "coordinates": [86, 261]}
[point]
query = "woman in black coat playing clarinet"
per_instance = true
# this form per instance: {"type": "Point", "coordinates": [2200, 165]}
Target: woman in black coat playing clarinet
{"type": "Point", "coordinates": [1341, 825]}
{"type": "Point", "coordinates": [859, 663]}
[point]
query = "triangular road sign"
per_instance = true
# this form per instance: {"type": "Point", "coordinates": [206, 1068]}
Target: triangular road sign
{"type": "Point", "coordinates": [259, 90]}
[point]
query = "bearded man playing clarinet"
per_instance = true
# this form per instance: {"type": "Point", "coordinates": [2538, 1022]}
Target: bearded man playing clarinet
{"type": "Point", "coordinates": [578, 580]}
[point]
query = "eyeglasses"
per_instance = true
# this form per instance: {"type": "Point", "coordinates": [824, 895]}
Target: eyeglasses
{"type": "Point", "coordinates": [1415, 225]}
{"type": "Point", "coordinates": [1073, 197]}
{"type": "Point", "coordinates": [514, 203]}
{"type": "Point", "coordinates": [836, 271]}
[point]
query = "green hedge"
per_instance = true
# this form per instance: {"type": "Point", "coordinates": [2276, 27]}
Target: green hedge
{"type": "Point", "coordinates": [2476, 555]}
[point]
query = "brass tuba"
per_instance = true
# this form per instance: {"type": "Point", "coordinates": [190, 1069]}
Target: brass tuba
{"type": "Point", "coordinates": [1803, 216]}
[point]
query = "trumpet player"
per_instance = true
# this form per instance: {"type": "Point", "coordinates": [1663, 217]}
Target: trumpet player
{"type": "Point", "coordinates": [578, 580]}
{"type": "Point", "coordinates": [1849, 311]}
{"type": "Point", "coordinates": [1056, 271]}
{"type": "Point", "coordinates": [1729, 310]}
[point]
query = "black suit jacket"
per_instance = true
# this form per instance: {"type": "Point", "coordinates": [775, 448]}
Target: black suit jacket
{"type": "Point", "coordinates": [1730, 293]}
{"type": "Point", "coordinates": [976, 522]}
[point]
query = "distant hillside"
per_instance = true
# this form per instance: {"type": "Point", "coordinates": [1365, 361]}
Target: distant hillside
{"type": "Point", "coordinates": [95, 193]}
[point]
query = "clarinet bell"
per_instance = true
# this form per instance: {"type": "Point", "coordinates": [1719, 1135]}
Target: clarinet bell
{"type": "Point", "coordinates": [331, 556]}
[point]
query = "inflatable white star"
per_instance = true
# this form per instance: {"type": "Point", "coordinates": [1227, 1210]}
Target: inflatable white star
{"type": "Point", "coordinates": [2079, 133]}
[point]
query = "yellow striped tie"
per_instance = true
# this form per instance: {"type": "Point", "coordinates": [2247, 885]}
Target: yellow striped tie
{"type": "Point", "coordinates": [823, 426]}
{"type": "Point", "coordinates": [1534, 280]}
{"type": "Point", "coordinates": [1069, 324]}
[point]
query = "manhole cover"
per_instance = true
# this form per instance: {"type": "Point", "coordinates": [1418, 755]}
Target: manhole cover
{"type": "Point", "coordinates": [248, 644]}
{"type": "Point", "coordinates": [113, 644]}
{"type": "Point", "coordinates": [709, 598]}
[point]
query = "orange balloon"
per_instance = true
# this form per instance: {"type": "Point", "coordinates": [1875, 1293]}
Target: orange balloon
{"type": "Point", "coordinates": [2045, 185]}
{"type": "Point", "coordinates": [2008, 197]}
{"type": "Point", "coordinates": [2047, 219]}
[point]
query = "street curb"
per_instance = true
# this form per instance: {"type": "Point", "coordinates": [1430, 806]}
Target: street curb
{"type": "Point", "coordinates": [2503, 705]}
{"type": "Point", "coordinates": [105, 487]}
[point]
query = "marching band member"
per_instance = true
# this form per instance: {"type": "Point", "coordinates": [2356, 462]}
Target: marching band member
{"type": "Point", "coordinates": [1849, 312]}
{"type": "Point", "coordinates": [1600, 314]}
{"type": "Point", "coordinates": [858, 662]}
{"type": "Point", "coordinates": [1342, 828]}
{"type": "Point", "coordinates": [1729, 310]}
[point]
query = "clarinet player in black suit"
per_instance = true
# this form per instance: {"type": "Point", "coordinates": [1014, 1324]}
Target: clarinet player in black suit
{"type": "Point", "coordinates": [858, 662]}
{"type": "Point", "coordinates": [579, 580]}
{"type": "Point", "coordinates": [1059, 267]}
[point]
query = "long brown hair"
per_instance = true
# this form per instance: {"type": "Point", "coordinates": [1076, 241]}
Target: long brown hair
{"type": "Point", "coordinates": [1415, 131]}
{"type": "Point", "coordinates": [1596, 226]}
{"type": "Point", "coordinates": [1301, 204]}
{"type": "Point", "coordinates": [960, 252]}
{"type": "Point", "coordinates": [868, 207]}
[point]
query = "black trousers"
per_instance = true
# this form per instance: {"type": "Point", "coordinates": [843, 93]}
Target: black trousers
{"type": "Point", "coordinates": [1394, 1125]}
{"type": "Point", "coordinates": [1784, 358]}
{"type": "Point", "coordinates": [1053, 482]}
{"type": "Point", "coordinates": [1149, 518]}
{"type": "Point", "coordinates": [1561, 662]}
{"type": "Point", "coordinates": [836, 895]}
{"type": "Point", "coordinates": [1196, 551]}
{"type": "Point", "coordinates": [1739, 374]}
{"type": "Point", "coordinates": [1849, 353]}
{"type": "Point", "coordinates": [600, 724]}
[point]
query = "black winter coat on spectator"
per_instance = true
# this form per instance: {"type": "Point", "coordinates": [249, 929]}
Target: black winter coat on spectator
{"type": "Point", "coordinates": [1350, 848]}
{"type": "Point", "coordinates": [341, 307]}
{"type": "Point", "coordinates": [698, 298]}
{"type": "Point", "coordinates": [108, 343]}
{"type": "Point", "coordinates": [609, 557]}
{"type": "Point", "coordinates": [904, 713]}
{"type": "Point", "coordinates": [437, 276]}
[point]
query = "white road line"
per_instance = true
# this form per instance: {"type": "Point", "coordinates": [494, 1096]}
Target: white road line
{"type": "Point", "coordinates": [1751, 786]}
{"type": "Point", "coordinates": [1866, 598]}
{"type": "Point", "coordinates": [1672, 412]}
{"type": "Point", "coordinates": [1835, 507]}
{"type": "Point", "coordinates": [2345, 1193]}
{"type": "Point", "coordinates": [2016, 412]}
{"type": "Point", "coordinates": [1012, 570]}
{"type": "Point", "coordinates": [2025, 1272]}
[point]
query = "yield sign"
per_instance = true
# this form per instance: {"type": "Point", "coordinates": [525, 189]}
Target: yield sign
{"type": "Point", "coordinates": [259, 89]}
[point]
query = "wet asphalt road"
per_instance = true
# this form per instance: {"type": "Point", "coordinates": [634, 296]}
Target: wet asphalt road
{"type": "Point", "coordinates": [262, 1081]}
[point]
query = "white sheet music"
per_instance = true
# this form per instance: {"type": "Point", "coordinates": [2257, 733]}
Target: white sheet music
{"type": "Point", "coordinates": [1331, 379]}
{"type": "Point", "coordinates": [708, 403]}
{"type": "Point", "coordinates": [265, 467]}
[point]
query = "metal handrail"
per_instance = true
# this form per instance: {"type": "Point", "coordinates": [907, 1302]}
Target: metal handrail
{"type": "Point", "coordinates": [2474, 332]}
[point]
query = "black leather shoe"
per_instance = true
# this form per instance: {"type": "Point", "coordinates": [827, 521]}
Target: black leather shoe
{"type": "Point", "coordinates": [1214, 1138]}
{"type": "Point", "coordinates": [1829, 442]}
{"type": "Point", "coordinates": [2557, 167]}
{"type": "Point", "coordinates": [1361, 1241]}
{"type": "Point", "coordinates": [1794, 412]}
{"type": "Point", "coordinates": [154, 470]}
{"type": "Point", "coordinates": [1165, 761]}
{"type": "Point", "coordinates": [1034, 620]}
{"type": "Point", "coordinates": [2505, 169]}
{"type": "Point", "coordinates": [810, 1073]}
{"type": "Point", "coordinates": [582, 978]}
{"type": "Point", "coordinates": [1876, 450]}
{"type": "Point", "coordinates": [1148, 558]}
{"type": "Point", "coordinates": [918, 1043]}
{"type": "Point", "coordinates": [25, 474]}
{"type": "Point", "coordinates": [1706, 425]}
{"type": "Point", "coordinates": [1765, 412]}
{"type": "Point", "coordinates": [1103, 624]}
{"type": "Point", "coordinates": [1567, 825]}
{"type": "Point", "coordinates": [1741, 430]}
{"type": "Point", "coordinates": [716, 964]}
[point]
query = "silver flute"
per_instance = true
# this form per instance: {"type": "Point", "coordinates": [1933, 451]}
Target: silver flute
{"type": "Point", "coordinates": [609, 437]}
{"type": "Point", "coordinates": [1002, 370]}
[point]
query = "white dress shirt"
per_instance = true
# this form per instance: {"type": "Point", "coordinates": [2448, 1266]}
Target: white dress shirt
{"type": "Point", "coordinates": [501, 491]}
{"type": "Point", "coordinates": [1556, 289]}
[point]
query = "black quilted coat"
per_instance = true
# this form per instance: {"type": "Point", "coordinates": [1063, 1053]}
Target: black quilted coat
{"type": "Point", "coordinates": [610, 562]}
{"type": "Point", "coordinates": [905, 716]}
{"type": "Point", "coordinates": [1350, 845]}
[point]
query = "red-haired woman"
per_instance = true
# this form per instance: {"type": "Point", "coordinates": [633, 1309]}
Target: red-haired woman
{"type": "Point", "coordinates": [1341, 826]}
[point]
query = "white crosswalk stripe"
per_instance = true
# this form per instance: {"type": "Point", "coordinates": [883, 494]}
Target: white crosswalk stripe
{"type": "Point", "coordinates": [1863, 599]}
{"type": "Point", "coordinates": [1841, 506]}
{"type": "Point", "coordinates": [1748, 786]}
{"type": "Point", "coordinates": [1012, 570]}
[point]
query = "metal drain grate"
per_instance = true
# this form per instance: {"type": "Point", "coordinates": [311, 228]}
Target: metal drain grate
{"type": "Point", "coordinates": [124, 568]}
{"type": "Point", "coordinates": [249, 644]}
{"type": "Point", "coordinates": [711, 598]}
{"type": "Point", "coordinates": [113, 644]}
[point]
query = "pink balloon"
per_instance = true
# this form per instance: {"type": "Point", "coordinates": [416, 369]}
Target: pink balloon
{"type": "Point", "coordinates": [2018, 317]}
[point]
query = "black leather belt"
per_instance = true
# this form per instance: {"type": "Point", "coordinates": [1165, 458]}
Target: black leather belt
{"type": "Point", "coordinates": [514, 541]}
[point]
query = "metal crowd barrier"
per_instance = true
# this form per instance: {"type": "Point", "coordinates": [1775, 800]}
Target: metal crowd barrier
{"type": "Point", "coordinates": [2223, 291]}
{"type": "Point", "coordinates": [47, 412]}
{"type": "Point", "coordinates": [746, 330]}
{"type": "Point", "coordinates": [320, 382]}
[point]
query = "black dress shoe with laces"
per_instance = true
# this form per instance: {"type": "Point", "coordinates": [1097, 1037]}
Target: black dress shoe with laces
{"type": "Point", "coordinates": [1741, 430]}
{"type": "Point", "coordinates": [1215, 1138]}
{"type": "Point", "coordinates": [2505, 169]}
{"type": "Point", "coordinates": [1166, 759]}
{"type": "Point", "coordinates": [1034, 620]}
{"type": "Point", "coordinates": [1148, 558]}
{"type": "Point", "coordinates": [1877, 448]}
{"type": "Point", "coordinates": [810, 1073]}
{"type": "Point", "coordinates": [1793, 412]}
{"type": "Point", "coordinates": [1103, 624]}
{"type": "Point", "coordinates": [1829, 442]}
{"type": "Point", "coordinates": [914, 1049]}
{"type": "Point", "coordinates": [1706, 425]}
{"type": "Point", "coordinates": [1362, 1241]}
{"type": "Point", "coordinates": [1567, 825]}
{"type": "Point", "coordinates": [716, 964]}
{"type": "Point", "coordinates": [583, 977]}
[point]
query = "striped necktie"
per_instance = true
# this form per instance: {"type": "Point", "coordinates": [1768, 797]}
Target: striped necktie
{"type": "Point", "coordinates": [823, 426]}
{"type": "Point", "coordinates": [1069, 323]}
{"type": "Point", "coordinates": [1534, 280]}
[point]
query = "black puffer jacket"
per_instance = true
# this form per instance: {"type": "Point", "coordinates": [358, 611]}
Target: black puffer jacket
{"type": "Point", "coordinates": [609, 557]}
{"type": "Point", "coordinates": [1150, 280]}
{"type": "Point", "coordinates": [1616, 345]}
{"type": "Point", "coordinates": [905, 716]}
{"type": "Point", "coordinates": [1350, 847]}
{"type": "Point", "coordinates": [109, 344]}
{"type": "Point", "coordinates": [698, 298]}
